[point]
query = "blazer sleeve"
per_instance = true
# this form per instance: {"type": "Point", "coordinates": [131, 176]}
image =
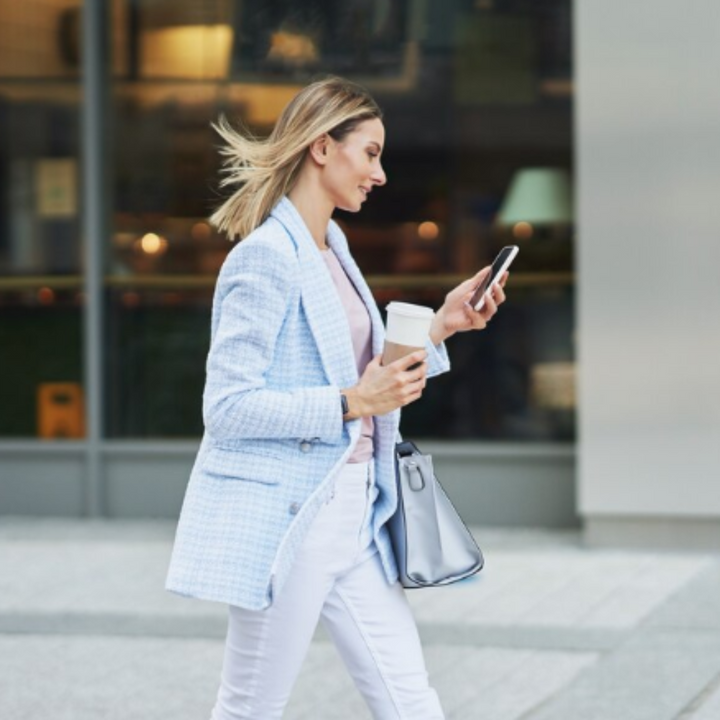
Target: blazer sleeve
{"type": "Point", "coordinates": [437, 359]}
{"type": "Point", "coordinates": [254, 290]}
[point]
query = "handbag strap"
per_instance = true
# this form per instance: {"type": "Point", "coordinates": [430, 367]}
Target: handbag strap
{"type": "Point", "coordinates": [406, 448]}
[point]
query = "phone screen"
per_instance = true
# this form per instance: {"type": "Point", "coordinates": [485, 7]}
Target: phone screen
{"type": "Point", "coordinates": [497, 267]}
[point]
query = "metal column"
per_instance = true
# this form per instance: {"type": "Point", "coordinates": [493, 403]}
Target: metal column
{"type": "Point", "coordinates": [95, 71]}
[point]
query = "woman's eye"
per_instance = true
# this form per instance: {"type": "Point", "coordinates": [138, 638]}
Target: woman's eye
{"type": "Point", "coordinates": [372, 155]}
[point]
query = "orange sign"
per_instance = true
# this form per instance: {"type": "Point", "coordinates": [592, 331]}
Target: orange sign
{"type": "Point", "coordinates": [60, 412]}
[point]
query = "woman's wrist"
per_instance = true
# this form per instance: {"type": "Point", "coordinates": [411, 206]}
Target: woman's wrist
{"type": "Point", "coordinates": [355, 404]}
{"type": "Point", "coordinates": [438, 332]}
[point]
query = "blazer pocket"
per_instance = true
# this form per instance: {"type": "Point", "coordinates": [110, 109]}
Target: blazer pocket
{"type": "Point", "coordinates": [234, 465]}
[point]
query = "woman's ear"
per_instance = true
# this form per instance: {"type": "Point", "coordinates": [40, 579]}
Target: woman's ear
{"type": "Point", "coordinates": [319, 149]}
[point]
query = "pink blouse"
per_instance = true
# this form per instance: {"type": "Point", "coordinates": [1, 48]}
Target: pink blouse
{"type": "Point", "coordinates": [361, 332]}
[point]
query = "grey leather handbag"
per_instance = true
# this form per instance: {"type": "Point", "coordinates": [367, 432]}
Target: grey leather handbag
{"type": "Point", "coordinates": [431, 543]}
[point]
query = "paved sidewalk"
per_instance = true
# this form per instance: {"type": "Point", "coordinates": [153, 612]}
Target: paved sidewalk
{"type": "Point", "coordinates": [548, 631]}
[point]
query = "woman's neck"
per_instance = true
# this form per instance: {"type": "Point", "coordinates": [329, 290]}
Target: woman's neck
{"type": "Point", "coordinates": [313, 209]}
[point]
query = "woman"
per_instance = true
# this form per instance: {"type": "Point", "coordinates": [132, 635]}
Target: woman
{"type": "Point", "coordinates": [285, 514]}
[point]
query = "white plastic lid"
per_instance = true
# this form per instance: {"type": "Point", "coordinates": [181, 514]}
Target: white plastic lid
{"type": "Point", "coordinates": [409, 310]}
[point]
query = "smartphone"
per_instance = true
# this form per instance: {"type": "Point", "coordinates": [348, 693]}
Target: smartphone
{"type": "Point", "coordinates": [500, 264]}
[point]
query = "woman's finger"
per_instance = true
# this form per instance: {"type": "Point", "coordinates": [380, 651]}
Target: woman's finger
{"type": "Point", "coordinates": [418, 373]}
{"type": "Point", "coordinates": [480, 275]}
{"type": "Point", "coordinates": [498, 294]}
{"type": "Point", "coordinates": [471, 284]}
{"type": "Point", "coordinates": [404, 363]}
{"type": "Point", "coordinates": [476, 318]}
{"type": "Point", "coordinates": [376, 362]}
{"type": "Point", "coordinates": [490, 307]}
{"type": "Point", "coordinates": [411, 396]}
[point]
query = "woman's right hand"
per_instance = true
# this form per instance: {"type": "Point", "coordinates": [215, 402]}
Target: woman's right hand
{"type": "Point", "coordinates": [383, 388]}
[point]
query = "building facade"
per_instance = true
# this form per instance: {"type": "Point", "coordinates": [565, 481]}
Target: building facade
{"type": "Point", "coordinates": [109, 169]}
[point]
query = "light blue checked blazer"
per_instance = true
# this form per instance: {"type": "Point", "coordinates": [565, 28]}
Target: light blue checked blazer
{"type": "Point", "coordinates": [274, 434]}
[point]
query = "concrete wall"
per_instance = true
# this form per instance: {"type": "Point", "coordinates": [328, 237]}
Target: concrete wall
{"type": "Point", "coordinates": [648, 152]}
{"type": "Point", "coordinates": [503, 484]}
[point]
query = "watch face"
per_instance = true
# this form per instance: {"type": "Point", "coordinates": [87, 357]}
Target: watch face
{"type": "Point", "coordinates": [344, 404]}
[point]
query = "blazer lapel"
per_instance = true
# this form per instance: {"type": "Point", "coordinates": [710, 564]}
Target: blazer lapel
{"type": "Point", "coordinates": [323, 308]}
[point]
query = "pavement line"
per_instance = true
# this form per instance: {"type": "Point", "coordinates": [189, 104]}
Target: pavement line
{"type": "Point", "coordinates": [692, 709]}
{"type": "Point", "coordinates": [208, 627]}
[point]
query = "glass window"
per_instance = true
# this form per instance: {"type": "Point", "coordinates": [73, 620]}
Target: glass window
{"type": "Point", "coordinates": [477, 95]}
{"type": "Point", "coordinates": [40, 282]}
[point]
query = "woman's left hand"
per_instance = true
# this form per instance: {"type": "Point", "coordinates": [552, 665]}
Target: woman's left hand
{"type": "Point", "coordinates": [457, 316]}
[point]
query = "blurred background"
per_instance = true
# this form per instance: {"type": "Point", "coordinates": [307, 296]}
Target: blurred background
{"type": "Point", "coordinates": [574, 134]}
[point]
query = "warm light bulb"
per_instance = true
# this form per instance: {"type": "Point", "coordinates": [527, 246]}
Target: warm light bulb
{"type": "Point", "coordinates": [46, 296]}
{"type": "Point", "coordinates": [153, 244]}
{"type": "Point", "coordinates": [428, 230]}
{"type": "Point", "coordinates": [201, 231]}
{"type": "Point", "coordinates": [522, 230]}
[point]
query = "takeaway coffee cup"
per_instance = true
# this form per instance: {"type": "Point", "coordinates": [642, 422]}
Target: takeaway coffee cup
{"type": "Point", "coordinates": [408, 327]}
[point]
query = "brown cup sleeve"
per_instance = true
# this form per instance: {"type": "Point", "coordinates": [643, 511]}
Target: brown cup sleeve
{"type": "Point", "coordinates": [393, 351]}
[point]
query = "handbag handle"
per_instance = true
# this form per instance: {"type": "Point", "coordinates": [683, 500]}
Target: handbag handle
{"type": "Point", "coordinates": [406, 449]}
{"type": "Point", "coordinates": [413, 471]}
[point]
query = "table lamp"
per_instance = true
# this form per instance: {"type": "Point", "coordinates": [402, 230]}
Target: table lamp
{"type": "Point", "coordinates": [538, 196]}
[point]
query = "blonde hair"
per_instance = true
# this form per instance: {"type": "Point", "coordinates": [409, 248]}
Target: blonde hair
{"type": "Point", "coordinates": [267, 169]}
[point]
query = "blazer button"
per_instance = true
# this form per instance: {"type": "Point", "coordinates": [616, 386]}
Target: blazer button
{"type": "Point", "coordinates": [294, 508]}
{"type": "Point", "coordinates": [305, 446]}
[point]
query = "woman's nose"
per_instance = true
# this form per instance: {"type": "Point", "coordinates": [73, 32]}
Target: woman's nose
{"type": "Point", "coordinates": [379, 177]}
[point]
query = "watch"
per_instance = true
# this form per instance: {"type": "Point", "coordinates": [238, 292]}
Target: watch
{"type": "Point", "coordinates": [344, 404]}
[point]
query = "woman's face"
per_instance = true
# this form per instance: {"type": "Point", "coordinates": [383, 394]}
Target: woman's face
{"type": "Point", "coordinates": [353, 165]}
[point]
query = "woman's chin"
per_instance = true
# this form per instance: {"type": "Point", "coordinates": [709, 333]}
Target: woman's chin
{"type": "Point", "coordinates": [348, 207]}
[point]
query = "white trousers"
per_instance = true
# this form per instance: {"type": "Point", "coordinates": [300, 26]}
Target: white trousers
{"type": "Point", "coordinates": [336, 578]}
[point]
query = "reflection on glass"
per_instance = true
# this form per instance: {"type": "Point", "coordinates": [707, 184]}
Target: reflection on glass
{"type": "Point", "coordinates": [159, 340]}
{"type": "Point", "coordinates": [40, 346]}
{"type": "Point", "coordinates": [40, 298]}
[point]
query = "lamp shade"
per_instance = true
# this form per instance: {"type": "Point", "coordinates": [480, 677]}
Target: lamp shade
{"type": "Point", "coordinates": [197, 52]}
{"type": "Point", "coordinates": [539, 196]}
